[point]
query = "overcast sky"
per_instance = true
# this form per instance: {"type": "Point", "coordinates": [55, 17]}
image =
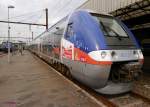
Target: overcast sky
{"type": "Point", "coordinates": [34, 12]}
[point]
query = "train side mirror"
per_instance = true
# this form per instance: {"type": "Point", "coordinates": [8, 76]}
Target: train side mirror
{"type": "Point", "coordinates": [57, 28]}
{"type": "Point", "coordinates": [70, 23]}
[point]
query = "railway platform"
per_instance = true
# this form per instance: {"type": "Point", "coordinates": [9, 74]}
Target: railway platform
{"type": "Point", "coordinates": [29, 82]}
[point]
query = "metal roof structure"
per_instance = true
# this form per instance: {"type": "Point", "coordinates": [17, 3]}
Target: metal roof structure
{"type": "Point", "coordinates": [136, 16]}
{"type": "Point", "coordinates": [134, 10]}
{"type": "Point", "coordinates": [106, 6]}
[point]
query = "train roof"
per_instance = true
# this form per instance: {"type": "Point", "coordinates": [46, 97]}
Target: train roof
{"type": "Point", "coordinates": [89, 11]}
{"type": "Point", "coordinates": [95, 12]}
{"type": "Point", "coordinates": [52, 26]}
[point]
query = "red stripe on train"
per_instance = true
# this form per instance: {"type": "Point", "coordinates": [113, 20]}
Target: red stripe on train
{"type": "Point", "coordinates": [79, 55]}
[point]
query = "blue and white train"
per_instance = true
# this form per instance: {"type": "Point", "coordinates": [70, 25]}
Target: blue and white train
{"type": "Point", "coordinates": [98, 49]}
{"type": "Point", "coordinates": [5, 45]}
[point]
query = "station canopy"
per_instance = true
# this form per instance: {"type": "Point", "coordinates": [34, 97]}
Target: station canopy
{"type": "Point", "coordinates": [136, 16]}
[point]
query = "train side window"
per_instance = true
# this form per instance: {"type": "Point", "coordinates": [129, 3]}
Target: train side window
{"type": "Point", "coordinates": [69, 32]}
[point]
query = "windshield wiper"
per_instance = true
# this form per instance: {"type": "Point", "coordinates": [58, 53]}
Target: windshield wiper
{"type": "Point", "coordinates": [117, 35]}
{"type": "Point", "coordinates": [105, 29]}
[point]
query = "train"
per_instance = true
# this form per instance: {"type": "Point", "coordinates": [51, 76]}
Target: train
{"type": "Point", "coordinates": [98, 50]}
{"type": "Point", "coordinates": [4, 46]}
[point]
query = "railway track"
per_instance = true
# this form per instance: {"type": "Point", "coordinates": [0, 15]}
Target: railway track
{"type": "Point", "coordinates": [130, 99]}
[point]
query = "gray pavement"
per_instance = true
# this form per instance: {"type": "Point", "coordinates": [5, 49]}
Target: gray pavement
{"type": "Point", "coordinates": [28, 82]}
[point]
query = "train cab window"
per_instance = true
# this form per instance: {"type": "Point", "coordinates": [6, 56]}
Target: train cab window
{"type": "Point", "coordinates": [111, 27]}
{"type": "Point", "coordinates": [69, 33]}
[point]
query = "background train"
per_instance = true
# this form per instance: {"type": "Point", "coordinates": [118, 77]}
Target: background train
{"type": "Point", "coordinates": [98, 50]}
{"type": "Point", "coordinates": [4, 46]}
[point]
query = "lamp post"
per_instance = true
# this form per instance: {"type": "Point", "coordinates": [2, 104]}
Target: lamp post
{"type": "Point", "coordinates": [9, 7]}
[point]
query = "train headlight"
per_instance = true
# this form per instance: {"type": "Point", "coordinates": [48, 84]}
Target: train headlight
{"type": "Point", "coordinates": [103, 54]}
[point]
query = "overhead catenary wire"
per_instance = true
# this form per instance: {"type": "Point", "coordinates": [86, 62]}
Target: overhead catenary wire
{"type": "Point", "coordinates": [65, 6]}
{"type": "Point", "coordinates": [30, 18]}
{"type": "Point", "coordinates": [22, 15]}
{"type": "Point", "coordinates": [38, 18]}
{"type": "Point", "coordinates": [60, 10]}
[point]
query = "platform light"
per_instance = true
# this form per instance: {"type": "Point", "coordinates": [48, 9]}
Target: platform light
{"type": "Point", "coordinates": [9, 7]}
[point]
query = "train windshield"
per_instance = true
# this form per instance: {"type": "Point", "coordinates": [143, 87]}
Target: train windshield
{"type": "Point", "coordinates": [116, 36]}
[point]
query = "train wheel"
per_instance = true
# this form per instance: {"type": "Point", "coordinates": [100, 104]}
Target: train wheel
{"type": "Point", "coordinates": [63, 69]}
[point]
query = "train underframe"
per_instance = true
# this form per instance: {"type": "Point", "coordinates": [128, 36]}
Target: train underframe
{"type": "Point", "coordinates": [125, 71]}
{"type": "Point", "coordinates": [121, 78]}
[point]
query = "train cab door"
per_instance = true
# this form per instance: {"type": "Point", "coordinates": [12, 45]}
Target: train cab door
{"type": "Point", "coordinates": [67, 50]}
{"type": "Point", "coordinates": [67, 46]}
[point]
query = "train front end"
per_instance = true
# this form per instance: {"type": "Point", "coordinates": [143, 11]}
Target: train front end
{"type": "Point", "coordinates": [122, 50]}
{"type": "Point", "coordinates": [107, 56]}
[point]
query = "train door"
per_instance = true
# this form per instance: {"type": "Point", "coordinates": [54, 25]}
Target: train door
{"type": "Point", "coordinates": [67, 46]}
{"type": "Point", "coordinates": [67, 49]}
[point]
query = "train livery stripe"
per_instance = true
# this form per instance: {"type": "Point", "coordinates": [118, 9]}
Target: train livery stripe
{"type": "Point", "coordinates": [79, 55]}
{"type": "Point", "coordinates": [141, 61]}
{"type": "Point", "coordinates": [69, 51]}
